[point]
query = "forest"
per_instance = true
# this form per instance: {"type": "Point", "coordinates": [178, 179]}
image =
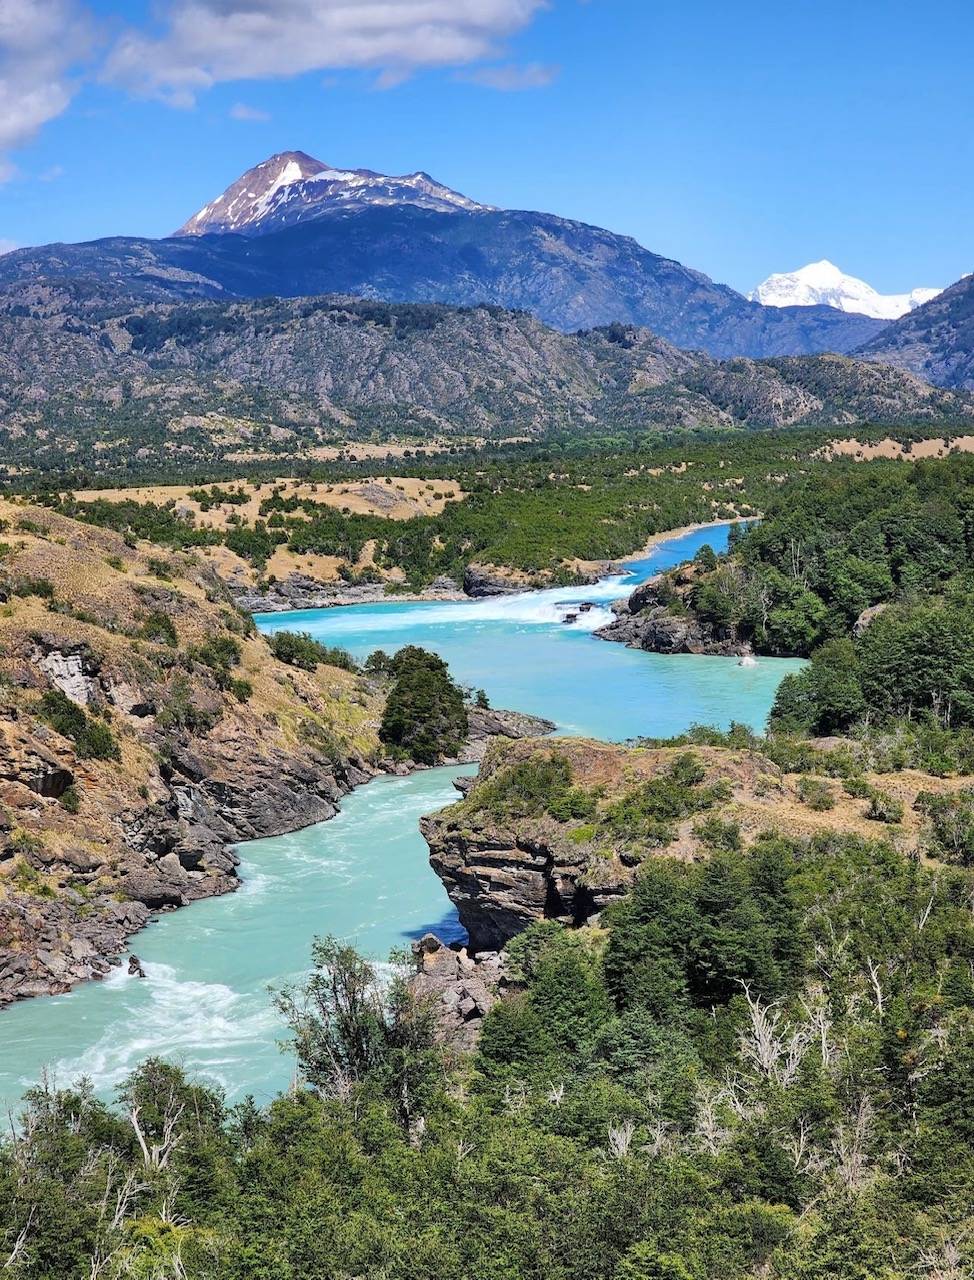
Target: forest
{"type": "Point", "coordinates": [869, 573]}
{"type": "Point", "coordinates": [757, 1065]}
{"type": "Point", "coordinates": [529, 509]}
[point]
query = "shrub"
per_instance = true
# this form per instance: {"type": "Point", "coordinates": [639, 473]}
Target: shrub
{"type": "Point", "coordinates": [242, 690]}
{"type": "Point", "coordinates": [41, 587]}
{"type": "Point", "coordinates": [541, 784]}
{"type": "Point", "coordinates": [92, 739]}
{"type": "Point", "coordinates": [216, 652]}
{"type": "Point", "coordinates": [70, 799]}
{"type": "Point", "coordinates": [858, 788]}
{"type": "Point", "coordinates": [884, 808]}
{"type": "Point", "coordinates": [160, 629]}
{"type": "Point", "coordinates": [298, 649]}
{"type": "Point", "coordinates": [815, 793]}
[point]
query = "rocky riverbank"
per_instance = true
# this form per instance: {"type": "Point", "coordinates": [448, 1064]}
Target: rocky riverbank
{"type": "Point", "coordinates": [656, 617]}
{"type": "Point", "coordinates": [300, 591]}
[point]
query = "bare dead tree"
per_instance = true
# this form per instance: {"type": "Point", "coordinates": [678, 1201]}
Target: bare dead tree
{"type": "Point", "coordinates": [772, 1045]}
{"type": "Point", "coordinates": [18, 1253]}
{"type": "Point", "coordinates": [556, 1093]}
{"type": "Point", "coordinates": [850, 1146]}
{"type": "Point", "coordinates": [874, 976]}
{"type": "Point", "coordinates": [620, 1139]}
{"type": "Point", "coordinates": [157, 1154]}
{"type": "Point", "coordinates": [709, 1130]}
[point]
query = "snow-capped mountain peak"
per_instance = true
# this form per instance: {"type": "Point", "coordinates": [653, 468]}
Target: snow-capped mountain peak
{"type": "Point", "coordinates": [823, 284]}
{"type": "Point", "coordinates": [292, 187]}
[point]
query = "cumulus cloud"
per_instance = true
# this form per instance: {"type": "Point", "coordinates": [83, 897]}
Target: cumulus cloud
{"type": "Point", "coordinates": [240, 111]}
{"type": "Point", "coordinates": [41, 44]}
{"type": "Point", "coordinates": [206, 42]}
{"type": "Point", "coordinates": [512, 77]}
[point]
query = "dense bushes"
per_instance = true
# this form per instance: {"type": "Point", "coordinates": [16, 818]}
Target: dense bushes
{"type": "Point", "coordinates": [425, 718]}
{"type": "Point", "coordinates": [92, 739]}
{"type": "Point", "coordinates": [299, 649]}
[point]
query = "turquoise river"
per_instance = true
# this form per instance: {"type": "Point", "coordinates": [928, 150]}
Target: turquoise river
{"type": "Point", "coordinates": [364, 875]}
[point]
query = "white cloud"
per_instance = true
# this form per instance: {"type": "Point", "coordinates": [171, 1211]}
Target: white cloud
{"type": "Point", "coordinates": [206, 42]}
{"type": "Point", "coordinates": [240, 111]}
{"type": "Point", "coordinates": [41, 43]}
{"type": "Point", "coordinates": [511, 77]}
{"type": "Point", "coordinates": [7, 246]}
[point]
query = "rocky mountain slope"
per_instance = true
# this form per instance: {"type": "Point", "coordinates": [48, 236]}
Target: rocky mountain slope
{"type": "Point", "coordinates": [413, 240]}
{"type": "Point", "coordinates": [936, 342]}
{"type": "Point", "coordinates": [144, 727]}
{"type": "Point", "coordinates": [823, 284]}
{"type": "Point", "coordinates": [292, 187]}
{"type": "Point", "coordinates": [86, 382]}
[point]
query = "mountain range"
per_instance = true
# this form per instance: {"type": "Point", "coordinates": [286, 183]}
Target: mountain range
{"type": "Point", "coordinates": [936, 342]}
{"type": "Point", "coordinates": [106, 389]}
{"type": "Point", "coordinates": [294, 227]}
{"type": "Point", "coordinates": [823, 284]}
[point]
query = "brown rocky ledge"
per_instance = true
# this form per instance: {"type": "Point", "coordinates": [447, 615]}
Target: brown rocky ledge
{"type": "Point", "coordinates": [503, 871]}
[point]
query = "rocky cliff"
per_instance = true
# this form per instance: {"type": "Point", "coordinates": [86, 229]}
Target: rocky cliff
{"type": "Point", "coordinates": [145, 727]}
{"type": "Point", "coordinates": [559, 831]}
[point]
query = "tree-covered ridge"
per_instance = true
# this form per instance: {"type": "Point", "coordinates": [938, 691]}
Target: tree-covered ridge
{"type": "Point", "coordinates": [122, 389]}
{"type": "Point", "coordinates": [868, 571]}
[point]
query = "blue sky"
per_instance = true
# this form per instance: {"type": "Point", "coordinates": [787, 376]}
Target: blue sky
{"type": "Point", "coordinates": [741, 138]}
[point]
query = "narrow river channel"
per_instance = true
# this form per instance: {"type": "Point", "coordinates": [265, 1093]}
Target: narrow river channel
{"type": "Point", "coordinates": [365, 875]}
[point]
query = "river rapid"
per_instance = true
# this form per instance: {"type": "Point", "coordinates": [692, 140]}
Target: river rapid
{"type": "Point", "coordinates": [365, 876]}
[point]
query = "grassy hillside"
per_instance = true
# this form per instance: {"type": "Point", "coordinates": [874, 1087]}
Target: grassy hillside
{"type": "Point", "coordinates": [144, 725]}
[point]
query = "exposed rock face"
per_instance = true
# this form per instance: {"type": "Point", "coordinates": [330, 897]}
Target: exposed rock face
{"type": "Point", "coordinates": [129, 797]}
{"type": "Point", "coordinates": [502, 879]}
{"type": "Point", "coordinates": [503, 873]}
{"type": "Point", "coordinates": [72, 673]}
{"type": "Point", "coordinates": [302, 592]}
{"type": "Point", "coordinates": [645, 621]}
{"type": "Point", "coordinates": [485, 724]}
{"type": "Point", "coordinates": [461, 989]}
{"type": "Point", "coordinates": [480, 581]}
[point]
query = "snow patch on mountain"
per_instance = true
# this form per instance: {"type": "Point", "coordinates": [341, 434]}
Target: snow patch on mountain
{"type": "Point", "coordinates": [293, 187]}
{"type": "Point", "coordinates": [823, 284]}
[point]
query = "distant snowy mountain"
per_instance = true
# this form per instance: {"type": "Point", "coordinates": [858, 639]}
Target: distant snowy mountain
{"type": "Point", "coordinates": [293, 187]}
{"type": "Point", "coordinates": [822, 284]}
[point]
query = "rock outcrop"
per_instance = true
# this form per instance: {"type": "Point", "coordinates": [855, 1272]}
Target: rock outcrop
{"type": "Point", "coordinates": [299, 591]}
{"type": "Point", "coordinates": [502, 872]}
{"type": "Point", "coordinates": [481, 581]}
{"type": "Point", "coordinates": [460, 989]}
{"type": "Point", "coordinates": [655, 618]}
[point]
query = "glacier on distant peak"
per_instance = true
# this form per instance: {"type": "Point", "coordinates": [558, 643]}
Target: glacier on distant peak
{"type": "Point", "coordinates": [823, 284]}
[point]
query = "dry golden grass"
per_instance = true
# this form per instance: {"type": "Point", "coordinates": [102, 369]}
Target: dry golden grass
{"type": "Point", "coordinates": [762, 797]}
{"type": "Point", "coordinates": [893, 449]}
{"type": "Point", "coordinates": [396, 497]}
